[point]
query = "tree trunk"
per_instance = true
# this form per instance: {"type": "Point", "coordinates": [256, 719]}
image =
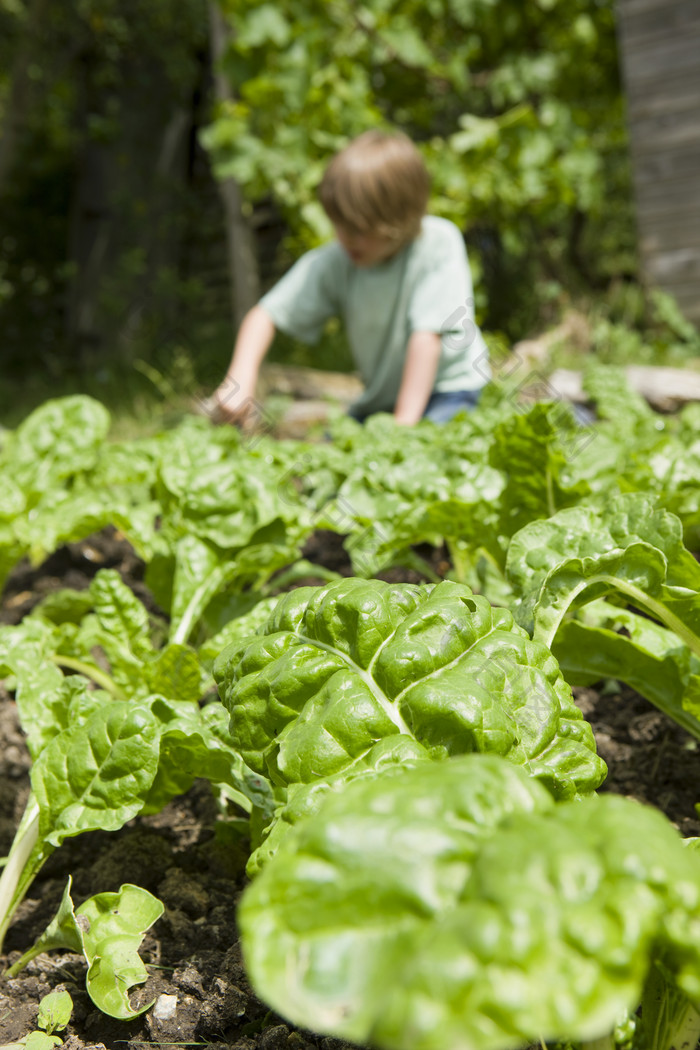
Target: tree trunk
{"type": "Point", "coordinates": [242, 256]}
{"type": "Point", "coordinates": [20, 92]}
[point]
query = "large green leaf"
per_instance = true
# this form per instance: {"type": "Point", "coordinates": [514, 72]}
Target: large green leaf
{"type": "Point", "coordinates": [608, 642]}
{"type": "Point", "coordinates": [338, 668]}
{"type": "Point", "coordinates": [96, 775]}
{"type": "Point", "coordinates": [533, 450]}
{"type": "Point", "coordinates": [58, 440]}
{"type": "Point", "coordinates": [454, 905]}
{"type": "Point", "coordinates": [393, 753]}
{"type": "Point", "coordinates": [626, 545]}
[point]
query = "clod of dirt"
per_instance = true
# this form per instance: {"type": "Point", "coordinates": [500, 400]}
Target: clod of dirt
{"type": "Point", "coordinates": [177, 890]}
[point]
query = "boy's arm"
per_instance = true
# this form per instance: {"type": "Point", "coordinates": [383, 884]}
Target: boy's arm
{"type": "Point", "coordinates": [422, 360]}
{"type": "Point", "coordinates": [233, 398]}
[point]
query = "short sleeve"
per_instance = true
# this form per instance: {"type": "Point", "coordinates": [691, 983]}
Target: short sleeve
{"type": "Point", "coordinates": [308, 295]}
{"type": "Point", "coordinates": [442, 295]}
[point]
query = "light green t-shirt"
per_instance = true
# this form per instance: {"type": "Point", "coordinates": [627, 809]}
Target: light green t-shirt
{"type": "Point", "coordinates": [426, 287]}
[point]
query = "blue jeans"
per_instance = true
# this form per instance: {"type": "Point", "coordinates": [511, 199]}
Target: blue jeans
{"type": "Point", "coordinates": [441, 407]}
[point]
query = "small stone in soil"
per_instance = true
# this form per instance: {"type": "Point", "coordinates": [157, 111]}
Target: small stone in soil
{"type": "Point", "coordinates": [165, 1008]}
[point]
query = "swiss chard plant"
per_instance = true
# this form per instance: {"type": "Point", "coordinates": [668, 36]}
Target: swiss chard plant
{"type": "Point", "coordinates": [107, 930]}
{"type": "Point", "coordinates": [454, 904]}
{"type": "Point", "coordinates": [358, 674]}
{"type": "Point", "coordinates": [42, 464]}
{"type": "Point", "coordinates": [630, 550]}
{"type": "Point", "coordinates": [103, 755]}
{"type": "Point", "coordinates": [605, 641]}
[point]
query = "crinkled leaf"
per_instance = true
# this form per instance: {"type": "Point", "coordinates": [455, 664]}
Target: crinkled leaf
{"type": "Point", "coordinates": [195, 742]}
{"type": "Point", "coordinates": [47, 702]}
{"type": "Point", "coordinates": [627, 545]}
{"type": "Point", "coordinates": [174, 672]}
{"type": "Point", "coordinates": [96, 775]}
{"type": "Point", "coordinates": [199, 572]}
{"type": "Point", "coordinates": [45, 712]}
{"type": "Point", "coordinates": [454, 905]}
{"type": "Point", "coordinates": [533, 451]}
{"type": "Point", "coordinates": [236, 631]}
{"type": "Point", "coordinates": [608, 642]}
{"type": "Point", "coordinates": [616, 400]}
{"type": "Point", "coordinates": [338, 668]}
{"type": "Point", "coordinates": [13, 501]}
{"type": "Point", "coordinates": [64, 606]}
{"type": "Point", "coordinates": [222, 503]}
{"type": "Point", "coordinates": [120, 612]}
{"type": "Point", "coordinates": [62, 517]}
{"type": "Point", "coordinates": [60, 438]}
{"type": "Point", "coordinates": [394, 753]}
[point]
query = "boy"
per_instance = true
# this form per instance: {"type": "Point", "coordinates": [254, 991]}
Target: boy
{"type": "Point", "coordinates": [398, 278]}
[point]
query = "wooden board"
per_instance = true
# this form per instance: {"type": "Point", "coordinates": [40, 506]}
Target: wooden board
{"type": "Point", "coordinates": [660, 58]}
{"type": "Point", "coordinates": [639, 25]}
{"type": "Point", "coordinates": [664, 388]}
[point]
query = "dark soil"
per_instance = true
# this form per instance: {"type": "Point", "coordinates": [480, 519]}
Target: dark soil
{"type": "Point", "coordinates": [194, 864]}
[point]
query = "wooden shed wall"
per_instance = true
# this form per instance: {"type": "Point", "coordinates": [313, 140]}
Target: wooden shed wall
{"type": "Point", "coordinates": [660, 50]}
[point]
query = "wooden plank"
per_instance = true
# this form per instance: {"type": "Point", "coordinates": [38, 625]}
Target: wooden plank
{"type": "Point", "coordinates": [663, 208]}
{"type": "Point", "coordinates": [632, 8]}
{"type": "Point", "coordinates": [687, 297]}
{"type": "Point", "coordinates": [645, 67]}
{"type": "Point", "coordinates": [657, 235]}
{"type": "Point", "coordinates": [678, 94]}
{"type": "Point", "coordinates": [659, 21]}
{"type": "Point", "coordinates": [681, 221]}
{"type": "Point", "coordinates": [676, 216]}
{"type": "Point", "coordinates": [679, 163]}
{"type": "Point", "coordinates": [667, 131]}
{"type": "Point", "coordinates": [668, 191]}
{"type": "Point", "coordinates": [676, 266]}
{"type": "Point", "coordinates": [660, 58]}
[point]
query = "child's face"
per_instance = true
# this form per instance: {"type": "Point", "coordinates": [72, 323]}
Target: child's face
{"type": "Point", "coordinates": [366, 249]}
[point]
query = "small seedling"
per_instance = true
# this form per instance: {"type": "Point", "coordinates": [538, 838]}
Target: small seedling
{"type": "Point", "coordinates": [54, 1014]}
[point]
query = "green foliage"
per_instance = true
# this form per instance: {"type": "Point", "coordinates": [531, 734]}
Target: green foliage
{"type": "Point", "coordinates": [344, 667]}
{"type": "Point", "coordinates": [453, 904]}
{"type": "Point", "coordinates": [349, 709]}
{"type": "Point", "coordinates": [107, 931]}
{"type": "Point", "coordinates": [102, 756]}
{"type": "Point", "coordinates": [55, 1010]}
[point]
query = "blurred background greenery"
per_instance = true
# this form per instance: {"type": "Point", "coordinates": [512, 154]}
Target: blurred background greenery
{"type": "Point", "coordinates": [158, 166]}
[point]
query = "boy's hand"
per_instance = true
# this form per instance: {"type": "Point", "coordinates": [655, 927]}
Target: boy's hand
{"type": "Point", "coordinates": [232, 403]}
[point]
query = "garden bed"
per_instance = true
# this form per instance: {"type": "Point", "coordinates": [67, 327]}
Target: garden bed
{"type": "Point", "coordinates": [194, 862]}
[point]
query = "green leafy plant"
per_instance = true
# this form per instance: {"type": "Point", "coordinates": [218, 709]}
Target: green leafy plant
{"type": "Point", "coordinates": [631, 549]}
{"type": "Point", "coordinates": [101, 756]}
{"type": "Point", "coordinates": [107, 931]}
{"type": "Point", "coordinates": [455, 904]}
{"type": "Point", "coordinates": [346, 678]}
{"type": "Point", "coordinates": [55, 1011]}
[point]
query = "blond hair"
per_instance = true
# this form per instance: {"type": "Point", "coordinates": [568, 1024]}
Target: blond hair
{"type": "Point", "coordinates": [377, 184]}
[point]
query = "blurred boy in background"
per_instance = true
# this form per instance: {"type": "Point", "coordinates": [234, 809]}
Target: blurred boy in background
{"type": "Point", "coordinates": [397, 278]}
